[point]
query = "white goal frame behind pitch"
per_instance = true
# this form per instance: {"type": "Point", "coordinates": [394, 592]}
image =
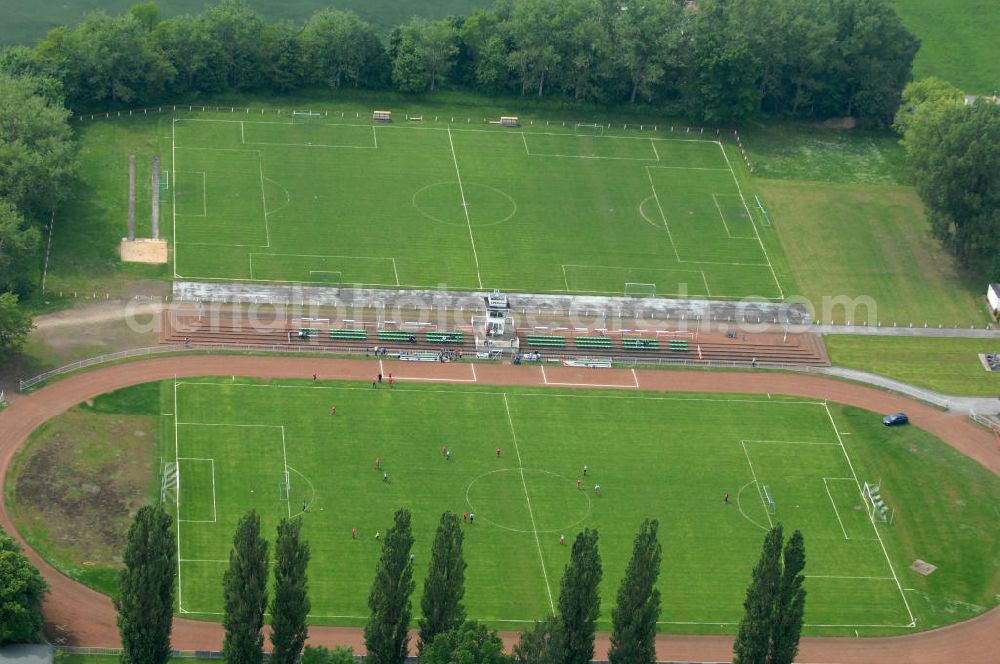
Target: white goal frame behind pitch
{"type": "Point", "coordinates": [588, 129]}
{"type": "Point", "coordinates": [639, 289]}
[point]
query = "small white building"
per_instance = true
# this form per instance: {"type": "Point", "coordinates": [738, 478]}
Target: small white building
{"type": "Point", "coordinates": [993, 297]}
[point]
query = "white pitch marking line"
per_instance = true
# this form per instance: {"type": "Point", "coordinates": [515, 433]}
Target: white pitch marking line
{"type": "Point", "coordinates": [525, 140]}
{"type": "Point", "coordinates": [871, 517]}
{"type": "Point", "coordinates": [284, 454]}
{"type": "Point", "coordinates": [635, 378]}
{"type": "Point", "coordinates": [173, 205]}
{"type": "Point", "coordinates": [663, 216]}
{"type": "Point", "coordinates": [465, 207]}
{"type": "Point", "coordinates": [653, 143]}
{"type": "Point", "coordinates": [835, 510]}
{"type": "Point", "coordinates": [522, 394]}
{"type": "Point", "coordinates": [759, 490]}
{"type": "Point", "coordinates": [263, 196]}
{"type": "Point", "coordinates": [781, 291]}
{"type": "Point", "coordinates": [243, 135]}
{"type": "Point", "coordinates": [527, 499]}
{"type": "Point", "coordinates": [860, 578]}
{"type": "Point", "coordinates": [177, 500]}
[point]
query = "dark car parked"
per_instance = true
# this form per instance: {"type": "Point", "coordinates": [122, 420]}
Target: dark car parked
{"type": "Point", "coordinates": [894, 419]}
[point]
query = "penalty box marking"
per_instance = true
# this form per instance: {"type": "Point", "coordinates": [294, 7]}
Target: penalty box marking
{"type": "Point", "coordinates": [708, 291]}
{"type": "Point", "coordinates": [391, 259]}
{"type": "Point", "coordinates": [244, 141]}
{"type": "Point", "coordinates": [204, 194]}
{"type": "Point", "coordinates": [634, 385]}
{"type": "Point", "coordinates": [215, 516]}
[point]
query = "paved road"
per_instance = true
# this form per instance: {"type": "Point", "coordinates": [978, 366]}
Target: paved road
{"type": "Point", "coordinates": [956, 404]}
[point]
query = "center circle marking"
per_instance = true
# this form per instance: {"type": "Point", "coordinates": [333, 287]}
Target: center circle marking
{"type": "Point", "coordinates": [572, 494]}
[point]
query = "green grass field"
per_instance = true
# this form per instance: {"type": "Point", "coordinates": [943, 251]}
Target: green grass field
{"type": "Point", "coordinates": [554, 209]}
{"type": "Point", "coordinates": [26, 21]}
{"type": "Point", "coordinates": [869, 241]}
{"type": "Point", "coordinates": [668, 457]}
{"type": "Point", "coordinates": [958, 41]}
{"type": "Point", "coordinates": [950, 366]}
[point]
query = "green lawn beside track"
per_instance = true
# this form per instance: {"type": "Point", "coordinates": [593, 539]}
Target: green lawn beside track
{"type": "Point", "coordinates": [866, 241]}
{"type": "Point", "coordinates": [950, 366]}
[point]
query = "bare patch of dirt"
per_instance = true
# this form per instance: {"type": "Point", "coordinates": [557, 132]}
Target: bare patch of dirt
{"type": "Point", "coordinates": [79, 483]}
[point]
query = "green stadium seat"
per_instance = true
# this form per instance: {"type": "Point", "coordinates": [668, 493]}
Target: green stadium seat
{"type": "Point", "coordinates": [640, 344]}
{"type": "Point", "coordinates": [546, 340]}
{"type": "Point", "coordinates": [395, 335]}
{"type": "Point", "coordinates": [348, 334]}
{"type": "Point", "coordinates": [446, 337]}
{"type": "Point", "coordinates": [592, 342]}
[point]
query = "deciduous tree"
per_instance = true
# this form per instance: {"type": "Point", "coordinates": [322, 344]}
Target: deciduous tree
{"type": "Point", "coordinates": [468, 643]}
{"type": "Point", "coordinates": [580, 600]}
{"type": "Point", "coordinates": [791, 603]}
{"type": "Point", "coordinates": [386, 636]}
{"type": "Point", "coordinates": [753, 641]}
{"type": "Point", "coordinates": [22, 590]}
{"type": "Point", "coordinates": [956, 168]}
{"type": "Point", "coordinates": [540, 643]}
{"type": "Point", "coordinates": [15, 324]}
{"type": "Point", "coordinates": [444, 586]}
{"type": "Point", "coordinates": [633, 631]}
{"type": "Point", "coordinates": [145, 599]}
{"type": "Point", "coordinates": [244, 586]}
{"type": "Point", "coordinates": [291, 605]}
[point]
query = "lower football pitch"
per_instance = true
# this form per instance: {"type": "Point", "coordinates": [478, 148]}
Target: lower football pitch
{"type": "Point", "coordinates": [539, 209]}
{"type": "Point", "coordinates": [277, 448]}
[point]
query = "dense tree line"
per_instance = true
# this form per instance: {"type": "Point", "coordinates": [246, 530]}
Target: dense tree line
{"type": "Point", "coordinates": [952, 154]}
{"type": "Point", "coordinates": [769, 631]}
{"type": "Point", "coordinates": [715, 60]}
{"type": "Point", "coordinates": [37, 169]}
{"type": "Point", "coordinates": [22, 590]}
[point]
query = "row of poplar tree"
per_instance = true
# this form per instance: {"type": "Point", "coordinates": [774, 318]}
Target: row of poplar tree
{"type": "Point", "coordinates": [715, 60]}
{"type": "Point", "coordinates": [768, 633]}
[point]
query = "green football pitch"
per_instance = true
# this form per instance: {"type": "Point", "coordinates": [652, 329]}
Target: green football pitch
{"type": "Point", "coordinates": [539, 209]}
{"type": "Point", "coordinates": [276, 448]}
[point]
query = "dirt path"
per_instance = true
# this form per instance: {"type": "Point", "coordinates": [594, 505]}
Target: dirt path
{"type": "Point", "coordinates": [77, 615]}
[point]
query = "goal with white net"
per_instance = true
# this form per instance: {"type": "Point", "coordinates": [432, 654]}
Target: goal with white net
{"type": "Point", "coordinates": [326, 276]}
{"type": "Point", "coordinates": [306, 115]}
{"type": "Point", "coordinates": [284, 486]}
{"type": "Point", "coordinates": [768, 500]}
{"type": "Point", "coordinates": [638, 289]}
{"type": "Point", "coordinates": [589, 129]}
{"type": "Point", "coordinates": [877, 509]}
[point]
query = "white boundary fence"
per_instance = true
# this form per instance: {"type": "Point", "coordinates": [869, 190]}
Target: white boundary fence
{"type": "Point", "coordinates": [662, 127]}
{"type": "Point", "coordinates": [633, 361]}
{"type": "Point", "coordinates": [26, 384]}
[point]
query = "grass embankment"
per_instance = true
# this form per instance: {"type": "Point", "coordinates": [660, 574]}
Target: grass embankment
{"type": "Point", "coordinates": [958, 41]}
{"type": "Point", "coordinates": [869, 241]}
{"type": "Point", "coordinates": [950, 366]}
{"type": "Point", "coordinates": [74, 487]}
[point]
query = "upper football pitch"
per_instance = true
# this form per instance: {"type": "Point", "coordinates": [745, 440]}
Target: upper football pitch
{"type": "Point", "coordinates": [322, 200]}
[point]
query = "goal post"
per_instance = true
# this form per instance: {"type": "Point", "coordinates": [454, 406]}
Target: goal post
{"type": "Point", "coordinates": [639, 289]}
{"type": "Point", "coordinates": [877, 509]}
{"type": "Point", "coordinates": [284, 486]}
{"type": "Point", "coordinates": [768, 500]}
{"type": "Point", "coordinates": [589, 129]}
{"type": "Point", "coordinates": [326, 276]}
